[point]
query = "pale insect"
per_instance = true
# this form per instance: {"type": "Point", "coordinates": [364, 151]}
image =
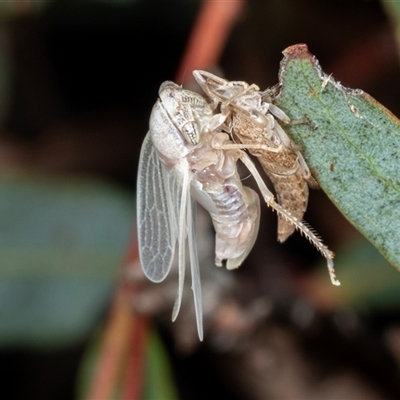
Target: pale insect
{"type": "Point", "coordinates": [182, 158]}
{"type": "Point", "coordinates": [251, 119]}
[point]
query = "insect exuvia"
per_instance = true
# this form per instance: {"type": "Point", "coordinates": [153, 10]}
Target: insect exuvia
{"type": "Point", "coordinates": [251, 120]}
{"type": "Point", "coordinates": [182, 159]}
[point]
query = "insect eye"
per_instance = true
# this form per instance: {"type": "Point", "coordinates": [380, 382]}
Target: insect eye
{"type": "Point", "coordinates": [190, 132]}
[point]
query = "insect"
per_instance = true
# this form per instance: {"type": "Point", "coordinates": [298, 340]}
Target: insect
{"type": "Point", "coordinates": [252, 121]}
{"type": "Point", "coordinates": [182, 159]}
{"type": "Point", "coordinates": [186, 156]}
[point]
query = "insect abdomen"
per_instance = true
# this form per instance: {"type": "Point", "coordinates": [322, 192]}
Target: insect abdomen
{"type": "Point", "coordinates": [236, 223]}
{"type": "Point", "coordinates": [292, 194]}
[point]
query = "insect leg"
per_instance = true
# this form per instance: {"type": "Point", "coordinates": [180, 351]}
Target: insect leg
{"type": "Point", "coordinates": [303, 164]}
{"type": "Point", "coordinates": [288, 142]}
{"type": "Point", "coordinates": [240, 94]}
{"type": "Point", "coordinates": [280, 114]}
{"type": "Point", "coordinates": [209, 81]}
{"type": "Point", "coordinates": [286, 172]}
{"type": "Point", "coordinates": [283, 136]}
{"type": "Point", "coordinates": [281, 132]}
{"type": "Point", "coordinates": [233, 146]}
{"type": "Point", "coordinates": [203, 78]}
{"type": "Point", "coordinates": [300, 226]}
{"type": "Point", "coordinates": [216, 121]}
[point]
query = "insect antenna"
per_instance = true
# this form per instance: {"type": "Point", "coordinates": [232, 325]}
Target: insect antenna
{"type": "Point", "coordinates": [183, 77]}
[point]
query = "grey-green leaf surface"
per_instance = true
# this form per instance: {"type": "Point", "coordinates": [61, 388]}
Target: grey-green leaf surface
{"type": "Point", "coordinates": [61, 243]}
{"type": "Point", "coordinates": [352, 146]}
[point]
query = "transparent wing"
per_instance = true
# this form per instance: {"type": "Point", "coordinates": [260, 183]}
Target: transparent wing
{"type": "Point", "coordinates": [156, 221]}
{"type": "Point", "coordinates": [185, 200]}
{"type": "Point", "coordinates": [194, 265]}
{"type": "Point", "coordinates": [165, 215]}
{"type": "Point", "coordinates": [173, 192]}
{"type": "Point", "coordinates": [187, 227]}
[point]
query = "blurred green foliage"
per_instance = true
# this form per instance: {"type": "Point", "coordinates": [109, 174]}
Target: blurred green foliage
{"type": "Point", "coordinates": [158, 377]}
{"type": "Point", "coordinates": [393, 9]}
{"type": "Point", "coordinates": [159, 380]}
{"type": "Point", "coordinates": [61, 242]}
{"type": "Point", "coordinates": [369, 284]}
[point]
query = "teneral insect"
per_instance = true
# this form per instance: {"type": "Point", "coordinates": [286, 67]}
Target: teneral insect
{"type": "Point", "coordinates": [185, 157]}
{"type": "Point", "coordinates": [251, 119]}
{"type": "Point", "coordinates": [182, 159]}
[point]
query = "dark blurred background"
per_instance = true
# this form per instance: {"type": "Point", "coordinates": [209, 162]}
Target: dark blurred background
{"type": "Point", "coordinates": [77, 83]}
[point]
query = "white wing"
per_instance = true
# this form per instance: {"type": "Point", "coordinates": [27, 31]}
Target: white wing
{"type": "Point", "coordinates": [194, 265]}
{"type": "Point", "coordinates": [187, 227]}
{"type": "Point", "coordinates": [156, 221]}
{"type": "Point", "coordinates": [166, 213]}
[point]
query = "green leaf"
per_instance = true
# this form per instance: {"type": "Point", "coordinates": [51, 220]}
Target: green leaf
{"type": "Point", "coordinates": [352, 146]}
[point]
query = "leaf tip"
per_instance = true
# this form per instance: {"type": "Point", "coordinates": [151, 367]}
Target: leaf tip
{"type": "Point", "coordinates": [297, 51]}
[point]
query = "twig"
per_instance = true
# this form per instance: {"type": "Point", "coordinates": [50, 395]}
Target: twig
{"type": "Point", "coordinates": [209, 36]}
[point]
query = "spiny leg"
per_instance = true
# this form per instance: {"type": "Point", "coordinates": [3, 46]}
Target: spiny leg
{"type": "Point", "coordinates": [303, 228]}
